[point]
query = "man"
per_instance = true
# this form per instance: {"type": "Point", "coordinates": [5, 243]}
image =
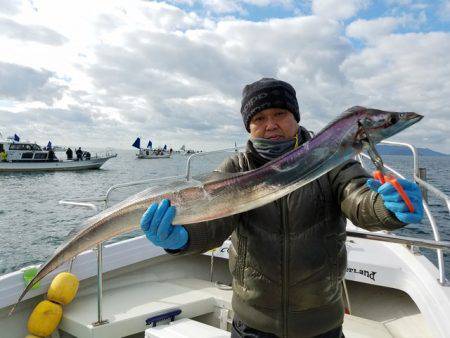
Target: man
{"type": "Point", "coordinates": [51, 155]}
{"type": "Point", "coordinates": [288, 258]}
{"type": "Point", "coordinates": [69, 153]}
{"type": "Point", "coordinates": [79, 154]}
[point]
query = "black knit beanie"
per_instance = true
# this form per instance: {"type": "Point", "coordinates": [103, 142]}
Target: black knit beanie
{"type": "Point", "coordinates": [268, 93]}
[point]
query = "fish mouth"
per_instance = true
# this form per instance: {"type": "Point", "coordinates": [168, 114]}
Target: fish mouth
{"type": "Point", "coordinates": [413, 117]}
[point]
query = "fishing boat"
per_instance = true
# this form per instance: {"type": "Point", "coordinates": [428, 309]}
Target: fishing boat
{"type": "Point", "coordinates": [30, 157]}
{"type": "Point", "coordinates": [134, 289]}
{"type": "Point", "coordinates": [149, 152]}
{"type": "Point", "coordinates": [153, 154]}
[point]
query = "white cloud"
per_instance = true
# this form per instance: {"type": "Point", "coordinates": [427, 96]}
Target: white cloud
{"type": "Point", "coordinates": [370, 30]}
{"type": "Point", "coordinates": [408, 4]}
{"type": "Point", "coordinates": [444, 10]}
{"type": "Point", "coordinates": [234, 6]}
{"type": "Point", "coordinates": [153, 67]}
{"type": "Point", "coordinates": [409, 72]}
{"type": "Point", "coordinates": [9, 6]}
{"type": "Point", "coordinates": [36, 33]}
{"type": "Point", "coordinates": [26, 84]}
{"type": "Point", "coordinates": [338, 9]}
{"type": "Point", "coordinates": [168, 17]}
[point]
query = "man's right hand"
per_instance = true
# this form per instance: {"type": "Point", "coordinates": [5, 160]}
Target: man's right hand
{"type": "Point", "coordinates": [157, 226]}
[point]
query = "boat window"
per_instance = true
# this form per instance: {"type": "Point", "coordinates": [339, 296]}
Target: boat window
{"type": "Point", "coordinates": [40, 156]}
{"type": "Point", "coordinates": [1, 147]}
{"type": "Point", "coordinates": [16, 146]}
{"type": "Point", "coordinates": [35, 147]}
{"type": "Point", "coordinates": [27, 155]}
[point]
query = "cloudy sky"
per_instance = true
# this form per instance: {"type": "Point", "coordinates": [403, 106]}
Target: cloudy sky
{"type": "Point", "coordinates": [99, 73]}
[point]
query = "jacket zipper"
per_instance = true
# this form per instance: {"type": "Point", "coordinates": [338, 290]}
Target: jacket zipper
{"type": "Point", "coordinates": [285, 263]}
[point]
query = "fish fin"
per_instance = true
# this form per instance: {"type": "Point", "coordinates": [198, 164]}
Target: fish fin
{"type": "Point", "coordinates": [348, 112]}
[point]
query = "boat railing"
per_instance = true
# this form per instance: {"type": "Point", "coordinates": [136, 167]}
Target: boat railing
{"type": "Point", "coordinates": [427, 187]}
{"type": "Point", "coordinates": [195, 155]}
{"type": "Point", "coordinates": [88, 202]}
{"type": "Point", "coordinates": [108, 153]}
{"type": "Point", "coordinates": [412, 242]}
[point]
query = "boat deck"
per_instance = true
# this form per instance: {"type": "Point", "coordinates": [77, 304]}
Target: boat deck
{"type": "Point", "coordinates": [130, 297]}
{"type": "Point", "coordinates": [128, 308]}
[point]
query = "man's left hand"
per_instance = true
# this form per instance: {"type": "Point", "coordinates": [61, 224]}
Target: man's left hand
{"type": "Point", "coordinates": [395, 203]}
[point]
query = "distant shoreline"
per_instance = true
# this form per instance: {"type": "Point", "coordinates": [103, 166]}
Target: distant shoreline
{"type": "Point", "coordinates": [398, 151]}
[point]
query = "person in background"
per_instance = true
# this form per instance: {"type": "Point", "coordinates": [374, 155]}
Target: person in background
{"type": "Point", "coordinates": [3, 154]}
{"type": "Point", "coordinates": [288, 258]}
{"type": "Point", "coordinates": [51, 155]}
{"type": "Point", "coordinates": [69, 153]}
{"type": "Point", "coordinates": [79, 154]}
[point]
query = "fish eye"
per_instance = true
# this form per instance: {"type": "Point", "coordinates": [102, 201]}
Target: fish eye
{"type": "Point", "coordinates": [393, 119]}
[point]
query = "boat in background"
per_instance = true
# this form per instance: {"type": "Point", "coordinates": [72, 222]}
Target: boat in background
{"type": "Point", "coordinates": [188, 152]}
{"type": "Point", "coordinates": [149, 152]}
{"type": "Point", "coordinates": [30, 157]}
{"type": "Point", "coordinates": [390, 289]}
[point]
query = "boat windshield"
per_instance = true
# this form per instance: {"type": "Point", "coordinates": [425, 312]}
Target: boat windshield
{"type": "Point", "coordinates": [19, 146]}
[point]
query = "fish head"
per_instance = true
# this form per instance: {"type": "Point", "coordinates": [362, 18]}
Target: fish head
{"type": "Point", "coordinates": [378, 125]}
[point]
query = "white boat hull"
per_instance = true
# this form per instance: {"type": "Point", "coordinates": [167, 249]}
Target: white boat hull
{"type": "Point", "coordinates": [93, 163]}
{"type": "Point", "coordinates": [152, 157]}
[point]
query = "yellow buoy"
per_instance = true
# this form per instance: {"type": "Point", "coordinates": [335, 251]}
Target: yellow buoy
{"type": "Point", "coordinates": [45, 318]}
{"type": "Point", "coordinates": [63, 288]}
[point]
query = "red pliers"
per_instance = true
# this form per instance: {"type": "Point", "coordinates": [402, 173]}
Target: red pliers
{"type": "Point", "coordinates": [380, 176]}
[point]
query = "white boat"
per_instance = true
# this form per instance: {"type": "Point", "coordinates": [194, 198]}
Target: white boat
{"type": "Point", "coordinates": [149, 152]}
{"type": "Point", "coordinates": [30, 157]}
{"type": "Point", "coordinates": [153, 154]}
{"type": "Point", "coordinates": [391, 289]}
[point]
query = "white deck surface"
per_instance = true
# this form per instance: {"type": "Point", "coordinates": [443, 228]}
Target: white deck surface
{"type": "Point", "coordinates": [127, 308]}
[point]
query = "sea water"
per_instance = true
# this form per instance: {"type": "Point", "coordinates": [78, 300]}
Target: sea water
{"type": "Point", "coordinates": [33, 223]}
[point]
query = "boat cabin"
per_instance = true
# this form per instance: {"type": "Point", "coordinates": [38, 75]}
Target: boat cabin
{"type": "Point", "coordinates": [23, 152]}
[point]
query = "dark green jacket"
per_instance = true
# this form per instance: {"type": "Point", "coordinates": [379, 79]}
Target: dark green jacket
{"type": "Point", "coordinates": [288, 257]}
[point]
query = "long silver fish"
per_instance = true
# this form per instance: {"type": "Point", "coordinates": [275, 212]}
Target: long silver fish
{"type": "Point", "coordinates": [339, 141]}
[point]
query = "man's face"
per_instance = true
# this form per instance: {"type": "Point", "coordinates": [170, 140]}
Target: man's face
{"type": "Point", "coordinates": [273, 124]}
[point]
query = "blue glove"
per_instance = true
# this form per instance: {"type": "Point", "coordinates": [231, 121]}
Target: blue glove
{"type": "Point", "coordinates": [157, 226]}
{"type": "Point", "coordinates": [394, 202]}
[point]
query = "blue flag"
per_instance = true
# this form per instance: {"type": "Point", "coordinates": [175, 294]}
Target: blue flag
{"type": "Point", "coordinates": [149, 145]}
{"type": "Point", "coordinates": [16, 138]}
{"type": "Point", "coordinates": [165, 147]}
{"type": "Point", "coordinates": [49, 145]}
{"type": "Point", "coordinates": [137, 143]}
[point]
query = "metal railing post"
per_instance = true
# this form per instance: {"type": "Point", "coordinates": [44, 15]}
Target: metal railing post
{"type": "Point", "coordinates": [100, 320]}
{"type": "Point", "coordinates": [211, 266]}
{"type": "Point", "coordinates": [347, 297]}
{"type": "Point", "coordinates": [423, 176]}
{"type": "Point", "coordinates": [82, 203]}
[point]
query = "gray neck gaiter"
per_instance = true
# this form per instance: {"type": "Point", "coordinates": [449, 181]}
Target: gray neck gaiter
{"type": "Point", "coordinates": [271, 150]}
